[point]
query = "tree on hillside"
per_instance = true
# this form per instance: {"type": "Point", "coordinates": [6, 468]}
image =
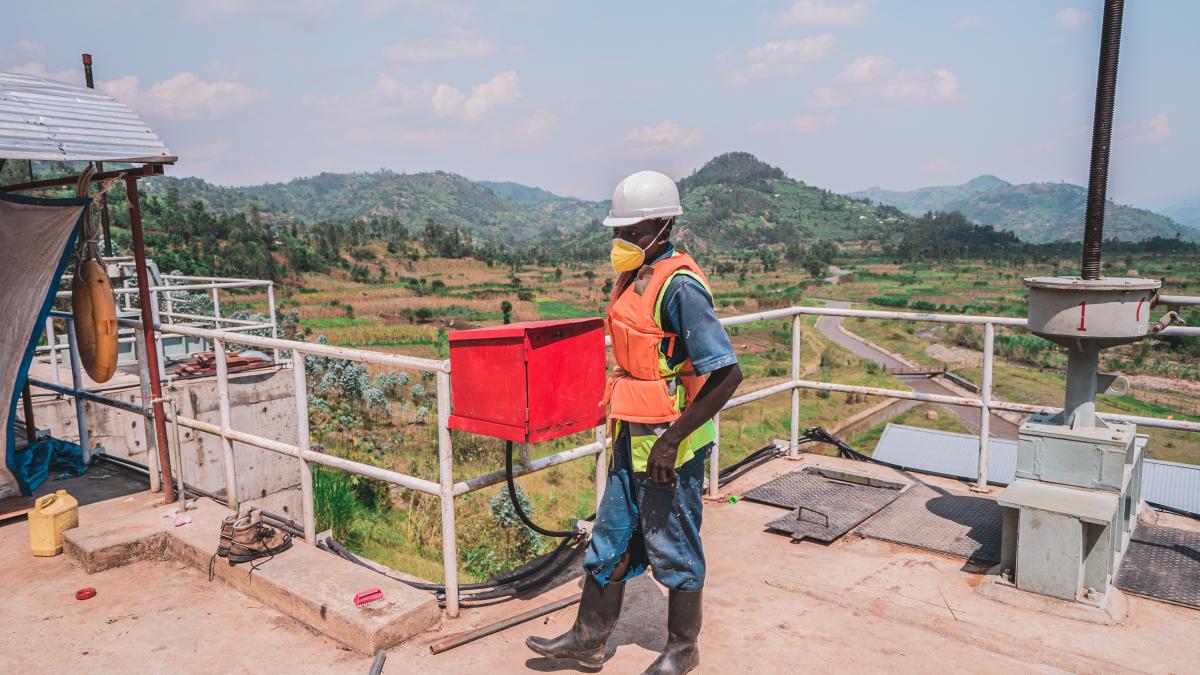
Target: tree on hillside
{"type": "Point", "coordinates": [506, 309]}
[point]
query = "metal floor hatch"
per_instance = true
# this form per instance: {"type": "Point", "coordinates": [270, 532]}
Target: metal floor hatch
{"type": "Point", "coordinates": [938, 520]}
{"type": "Point", "coordinates": [825, 505]}
{"type": "Point", "coordinates": [1162, 563]}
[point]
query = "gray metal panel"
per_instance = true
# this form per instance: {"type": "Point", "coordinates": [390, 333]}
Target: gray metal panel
{"type": "Point", "coordinates": [1171, 484]}
{"type": "Point", "coordinates": [946, 453]}
{"type": "Point", "coordinates": [44, 120]}
{"type": "Point", "coordinates": [932, 518]}
{"type": "Point", "coordinates": [950, 454]}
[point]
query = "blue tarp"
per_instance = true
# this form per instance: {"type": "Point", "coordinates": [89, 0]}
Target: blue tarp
{"type": "Point", "coordinates": [49, 455]}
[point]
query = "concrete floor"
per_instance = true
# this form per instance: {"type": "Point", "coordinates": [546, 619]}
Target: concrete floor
{"type": "Point", "coordinates": [771, 606]}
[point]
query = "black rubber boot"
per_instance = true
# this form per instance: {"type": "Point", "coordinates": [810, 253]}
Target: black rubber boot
{"type": "Point", "coordinates": [681, 654]}
{"type": "Point", "coordinates": [584, 643]}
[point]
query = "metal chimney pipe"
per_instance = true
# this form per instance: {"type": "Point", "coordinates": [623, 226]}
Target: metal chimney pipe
{"type": "Point", "coordinates": [1106, 90]}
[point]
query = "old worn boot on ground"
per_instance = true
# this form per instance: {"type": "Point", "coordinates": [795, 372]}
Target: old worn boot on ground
{"type": "Point", "coordinates": [584, 643]}
{"type": "Point", "coordinates": [252, 539]}
{"type": "Point", "coordinates": [681, 654]}
{"type": "Point", "coordinates": [227, 534]}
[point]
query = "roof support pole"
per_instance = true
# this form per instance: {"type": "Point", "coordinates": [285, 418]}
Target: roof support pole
{"type": "Point", "coordinates": [145, 299]}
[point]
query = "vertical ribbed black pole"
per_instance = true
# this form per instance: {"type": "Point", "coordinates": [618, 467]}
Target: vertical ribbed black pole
{"type": "Point", "coordinates": [1106, 90]}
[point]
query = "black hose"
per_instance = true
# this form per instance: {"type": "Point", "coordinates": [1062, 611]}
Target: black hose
{"type": "Point", "coordinates": [1106, 90]}
{"type": "Point", "coordinates": [512, 495]}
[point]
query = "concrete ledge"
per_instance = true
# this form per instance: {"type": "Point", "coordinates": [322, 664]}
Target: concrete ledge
{"type": "Point", "coordinates": [305, 583]}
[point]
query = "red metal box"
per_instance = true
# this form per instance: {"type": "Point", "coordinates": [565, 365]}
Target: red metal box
{"type": "Point", "coordinates": [530, 381]}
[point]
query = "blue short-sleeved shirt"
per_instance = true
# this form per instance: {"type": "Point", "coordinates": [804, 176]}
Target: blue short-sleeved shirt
{"type": "Point", "coordinates": [687, 311]}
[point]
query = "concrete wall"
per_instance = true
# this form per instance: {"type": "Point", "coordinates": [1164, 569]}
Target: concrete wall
{"type": "Point", "coordinates": [261, 403]}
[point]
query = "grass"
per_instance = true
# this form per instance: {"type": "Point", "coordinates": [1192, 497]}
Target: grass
{"type": "Point", "coordinates": [557, 309]}
{"type": "Point", "coordinates": [917, 416]}
{"type": "Point", "coordinates": [327, 322]}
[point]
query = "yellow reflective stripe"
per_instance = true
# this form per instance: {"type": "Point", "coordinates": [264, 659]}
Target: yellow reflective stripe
{"type": "Point", "coordinates": [640, 446]}
{"type": "Point", "coordinates": [664, 368]}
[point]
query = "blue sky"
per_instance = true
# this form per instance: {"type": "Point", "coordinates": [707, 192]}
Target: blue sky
{"type": "Point", "coordinates": [571, 96]}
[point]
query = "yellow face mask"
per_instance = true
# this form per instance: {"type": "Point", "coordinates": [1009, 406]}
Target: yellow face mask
{"type": "Point", "coordinates": [627, 256]}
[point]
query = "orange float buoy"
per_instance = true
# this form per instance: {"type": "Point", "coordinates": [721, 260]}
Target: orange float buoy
{"type": "Point", "coordinates": [95, 310]}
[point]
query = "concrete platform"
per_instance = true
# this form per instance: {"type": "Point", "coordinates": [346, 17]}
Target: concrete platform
{"type": "Point", "coordinates": [306, 584]}
{"type": "Point", "coordinates": [771, 606]}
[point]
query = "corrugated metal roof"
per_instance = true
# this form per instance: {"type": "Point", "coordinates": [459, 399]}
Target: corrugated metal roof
{"type": "Point", "coordinates": [44, 120]}
{"type": "Point", "coordinates": [1171, 484]}
{"type": "Point", "coordinates": [949, 454]}
{"type": "Point", "coordinates": [946, 453]}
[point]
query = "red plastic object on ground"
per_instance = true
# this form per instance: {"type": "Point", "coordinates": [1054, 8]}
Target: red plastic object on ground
{"type": "Point", "coordinates": [528, 382]}
{"type": "Point", "coordinates": [369, 595]}
{"type": "Point", "coordinates": [85, 593]}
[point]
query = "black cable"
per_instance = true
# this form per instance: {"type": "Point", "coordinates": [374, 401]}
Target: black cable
{"type": "Point", "coordinates": [512, 495]}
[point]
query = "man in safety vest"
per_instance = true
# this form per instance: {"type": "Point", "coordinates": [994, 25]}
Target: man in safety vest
{"type": "Point", "coordinates": [675, 370]}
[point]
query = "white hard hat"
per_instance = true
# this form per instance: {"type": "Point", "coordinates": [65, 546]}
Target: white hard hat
{"type": "Point", "coordinates": [642, 196]}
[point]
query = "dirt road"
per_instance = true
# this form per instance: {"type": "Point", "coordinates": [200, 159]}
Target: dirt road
{"type": "Point", "coordinates": [829, 327]}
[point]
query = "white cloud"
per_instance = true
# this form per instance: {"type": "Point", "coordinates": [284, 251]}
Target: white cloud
{"type": "Point", "coordinates": [66, 76]}
{"type": "Point", "coordinates": [1158, 128]}
{"type": "Point", "coordinates": [787, 58]}
{"type": "Point", "coordinates": [1072, 18]}
{"type": "Point", "coordinates": [864, 69]}
{"type": "Point", "coordinates": [198, 160]}
{"type": "Point", "coordinates": [389, 97]}
{"type": "Point", "coordinates": [447, 8]}
{"type": "Point", "coordinates": [458, 44]}
{"type": "Point", "coordinates": [968, 22]}
{"type": "Point", "coordinates": [181, 96]}
{"type": "Point", "coordinates": [660, 138]}
{"type": "Point", "coordinates": [938, 165]}
{"type": "Point", "coordinates": [876, 79]}
{"type": "Point", "coordinates": [501, 90]}
{"type": "Point", "coordinates": [537, 125]}
{"type": "Point", "coordinates": [395, 135]}
{"type": "Point", "coordinates": [802, 124]}
{"type": "Point", "coordinates": [819, 13]}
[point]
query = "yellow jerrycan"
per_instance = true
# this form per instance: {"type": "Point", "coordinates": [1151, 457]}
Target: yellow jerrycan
{"type": "Point", "coordinates": [51, 515]}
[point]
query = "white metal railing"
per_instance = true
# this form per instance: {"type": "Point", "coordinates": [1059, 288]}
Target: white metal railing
{"type": "Point", "coordinates": [162, 300]}
{"type": "Point", "coordinates": [446, 488]}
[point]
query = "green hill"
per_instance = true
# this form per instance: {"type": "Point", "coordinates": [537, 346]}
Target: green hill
{"type": "Point", "coordinates": [923, 200]}
{"type": "Point", "coordinates": [735, 200]}
{"type": "Point", "coordinates": [1046, 212]}
{"type": "Point", "coordinates": [449, 199]}
{"type": "Point", "coordinates": [1035, 212]}
{"type": "Point", "coordinates": [740, 201]}
{"type": "Point", "coordinates": [1185, 209]}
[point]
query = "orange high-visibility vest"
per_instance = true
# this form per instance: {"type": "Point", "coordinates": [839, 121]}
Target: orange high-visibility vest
{"type": "Point", "coordinates": [641, 388]}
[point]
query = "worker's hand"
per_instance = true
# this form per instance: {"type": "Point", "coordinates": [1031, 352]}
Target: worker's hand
{"type": "Point", "coordinates": [661, 465]}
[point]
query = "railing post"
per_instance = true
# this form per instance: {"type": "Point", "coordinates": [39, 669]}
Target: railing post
{"type": "Point", "coordinates": [714, 459]}
{"type": "Point", "coordinates": [271, 310]}
{"type": "Point", "coordinates": [139, 348]}
{"type": "Point", "coordinates": [601, 463]}
{"type": "Point", "coordinates": [52, 342]}
{"type": "Point", "coordinates": [985, 411]}
{"type": "Point", "coordinates": [76, 386]}
{"type": "Point", "coordinates": [794, 439]}
{"type": "Point", "coordinates": [231, 499]}
{"type": "Point", "coordinates": [158, 345]}
{"type": "Point", "coordinates": [216, 300]}
{"type": "Point", "coordinates": [302, 447]}
{"type": "Point", "coordinates": [446, 477]}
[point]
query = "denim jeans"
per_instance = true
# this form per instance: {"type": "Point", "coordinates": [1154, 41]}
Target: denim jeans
{"type": "Point", "coordinates": [659, 525]}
